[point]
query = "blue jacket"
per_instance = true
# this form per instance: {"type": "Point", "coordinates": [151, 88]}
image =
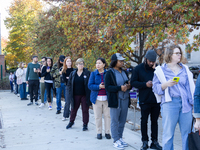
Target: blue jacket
{"type": "Point", "coordinates": [93, 84]}
{"type": "Point", "coordinates": [196, 113]}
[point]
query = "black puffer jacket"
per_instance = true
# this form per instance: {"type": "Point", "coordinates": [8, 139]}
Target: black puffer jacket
{"type": "Point", "coordinates": [112, 88]}
{"type": "Point", "coordinates": [70, 86]}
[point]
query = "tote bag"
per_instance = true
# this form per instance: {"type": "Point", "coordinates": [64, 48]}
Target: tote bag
{"type": "Point", "coordinates": [194, 139]}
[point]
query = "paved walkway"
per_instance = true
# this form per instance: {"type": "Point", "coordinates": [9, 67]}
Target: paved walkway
{"type": "Point", "coordinates": [32, 128]}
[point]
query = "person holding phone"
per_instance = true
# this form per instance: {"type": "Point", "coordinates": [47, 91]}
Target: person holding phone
{"type": "Point", "coordinates": [176, 97]}
{"type": "Point", "coordinates": [142, 77]}
{"type": "Point", "coordinates": [118, 98]}
{"type": "Point", "coordinates": [98, 97]}
{"type": "Point", "coordinates": [48, 79]}
{"type": "Point", "coordinates": [42, 84]}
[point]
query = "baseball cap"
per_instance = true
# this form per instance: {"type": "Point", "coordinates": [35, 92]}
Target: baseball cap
{"type": "Point", "coordinates": [62, 58]}
{"type": "Point", "coordinates": [117, 56]}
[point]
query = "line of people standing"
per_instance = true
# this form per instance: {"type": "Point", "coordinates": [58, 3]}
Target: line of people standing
{"type": "Point", "coordinates": [108, 92]}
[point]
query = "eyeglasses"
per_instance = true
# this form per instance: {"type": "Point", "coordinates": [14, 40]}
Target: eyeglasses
{"type": "Point", "coordinates": [178, 53]}
{"type": "Point", "coordinates": [43, 61]}
{"type": "Point", "coordinates": [81, 64]}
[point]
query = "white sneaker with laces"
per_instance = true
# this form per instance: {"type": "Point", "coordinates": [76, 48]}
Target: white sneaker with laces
{"type": "Point", "coordinates": [123, 142]}
{"type": "Point", "coordinates": [118, 145]}
{"type": "Point", "coordinates": [41, 105]}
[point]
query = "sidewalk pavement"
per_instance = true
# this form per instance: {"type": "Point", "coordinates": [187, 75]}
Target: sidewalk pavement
{"type": "Point", "coordinates": [33, 128]}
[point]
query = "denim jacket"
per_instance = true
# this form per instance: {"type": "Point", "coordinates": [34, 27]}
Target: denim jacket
{"type": "Point", "coordinates": [196, 113]}
{"type": "Point", "coordinates": [93, 85]}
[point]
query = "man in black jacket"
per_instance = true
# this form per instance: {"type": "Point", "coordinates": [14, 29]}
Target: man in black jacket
{"type": "Point", "coordinates": [142, 79]}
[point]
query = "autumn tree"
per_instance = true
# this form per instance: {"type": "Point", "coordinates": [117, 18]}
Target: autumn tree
{"type": "Point", "coordinates": [111, 25]}
{"type": "Point", "coordinates": [50, 39]}
{"type": "Point", "coordinates": [22, 15]}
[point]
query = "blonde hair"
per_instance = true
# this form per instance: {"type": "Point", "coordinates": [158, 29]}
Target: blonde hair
{"type": "Point", "coordinates": [169, 52]}
{"type": "Point", "coordinates": [20, 65]}
{"type": "Point", "coordinates": [79, 61]}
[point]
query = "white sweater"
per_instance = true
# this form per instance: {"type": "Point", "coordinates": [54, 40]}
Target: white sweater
{"type": "Point", "coordinates": [21, 74]}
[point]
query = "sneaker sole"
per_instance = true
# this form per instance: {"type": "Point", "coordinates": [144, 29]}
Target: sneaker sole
{"type": "Point", "coordinates": [118, 147]}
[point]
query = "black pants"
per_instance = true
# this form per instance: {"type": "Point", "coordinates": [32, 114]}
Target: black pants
{"type": "Point", "coordinates": [48, 87]}
{"type": "Point", "coordinates": [153, 110]}
{"type": "Point", "coordinates": [66, 112]}
{"type": "Point", "coordinates": [33, 89]}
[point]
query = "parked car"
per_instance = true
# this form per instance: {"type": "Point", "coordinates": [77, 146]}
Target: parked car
{"type": "Point", "coordinates": [195, 70]}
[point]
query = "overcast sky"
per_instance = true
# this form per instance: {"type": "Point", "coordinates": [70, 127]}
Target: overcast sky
{"type": "Point", "coordinates": [4, 5]}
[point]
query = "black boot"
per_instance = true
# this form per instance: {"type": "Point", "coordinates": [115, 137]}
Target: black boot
{"type": "Point", "coordinates": [85, 127]}
{"type": "Point", "coordinates": [144, 145]}
{"type": "Point", "coordinates": [58, 112]}
{"type": "Point", "coordinates": [69, 125]}
{"type": "Point", "coordinates": [99, 136]}
{"type": "Point", "coordinates": [155, 145]}
{"type": "Point", "coordinates": [108, 136]}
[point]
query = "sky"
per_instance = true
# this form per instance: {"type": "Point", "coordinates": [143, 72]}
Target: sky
{"type": "Point", "coordinates": [4, 5]}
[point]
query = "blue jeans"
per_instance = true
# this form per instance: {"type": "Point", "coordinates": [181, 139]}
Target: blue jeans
{"type": "Point", "coordinates": [171, 115]}
{"type": "Point", "coordinates": [11, 86]}
{"type": "Point", "coordinates": [58, 95]}
{"type": "Point", "coordinates": [23, 93]}
{"type": "Point", "coordinates": [45, 96]}
{"type": "Point", "coordinates": [197, 98]}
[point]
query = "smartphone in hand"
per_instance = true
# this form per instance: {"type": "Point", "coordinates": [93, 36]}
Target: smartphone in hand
{"type": "Point", "coordinates": [176, 79]}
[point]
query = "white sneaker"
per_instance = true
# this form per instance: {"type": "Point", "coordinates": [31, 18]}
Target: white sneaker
{"type": "Point", "coordinates": [123, 142]}
{"type": "Point", "coordinates": [118, 145]}
{"type": "Point", "coordinates": [50, 107]}
{"type": "Point", "coordinates": [18, 95]}
{"type": "Point", "coordinates": [64, 119]}
{"type": "Point", "coordinates": [41, 105]}
{"type": "Point", "coordinates": [62, 107]}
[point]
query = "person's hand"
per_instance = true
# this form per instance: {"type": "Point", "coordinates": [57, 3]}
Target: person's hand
{"type": "Point", "coordinates": [171, 83]}
{"type": "Point", "coordinates": [26, 82]}
{"type": "Point", "coordinates": [38, 70]}
{"type": "Point", "coordinates": [60, 72]}
{"type": "Point", "coordinates": [154, 66]}
{"type": "Point", "coordinates": [35, 70]}
{"type": "Point", "coordinates": [48, 70]}
{"type": "Point", "coordinates": [197, 124]}
{"type": "Point", "coordinates": [128, 85]}
{"type": "Point", "coordinates": [124, 88]}
{"type": "Point", "coordinates": [149, 84]}
{"type": "Point", "coordinates": [102, 86]}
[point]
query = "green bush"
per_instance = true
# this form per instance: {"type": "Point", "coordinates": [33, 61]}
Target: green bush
{"type": "Point", "coordinates": [11, 70]}
{"type": "Point", "coordinates": [5, 83]}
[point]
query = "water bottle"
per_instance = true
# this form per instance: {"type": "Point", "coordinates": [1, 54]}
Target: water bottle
{"type": "Point", "coordinates": [27, 88]}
